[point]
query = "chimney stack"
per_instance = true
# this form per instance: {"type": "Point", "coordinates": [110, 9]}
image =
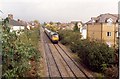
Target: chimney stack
{"type": "Point", "coordinates": [10, 16]}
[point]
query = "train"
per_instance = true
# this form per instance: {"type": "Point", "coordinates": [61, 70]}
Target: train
{"type": "Point", "coordinates": [53, 36]}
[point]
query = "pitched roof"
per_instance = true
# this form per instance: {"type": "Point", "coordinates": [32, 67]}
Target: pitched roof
{"type": "Point", "coordinates": [74, 22]}
{"type": "Point", "coordinates": [103, 18]}
{"type": "Point", "coordinates": [84, 26]}
{"type": "Point", "coordinates": [16, 23]}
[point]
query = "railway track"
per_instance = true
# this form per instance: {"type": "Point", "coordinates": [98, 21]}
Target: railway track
{"type": "Point", "coordinates": [60, 63]}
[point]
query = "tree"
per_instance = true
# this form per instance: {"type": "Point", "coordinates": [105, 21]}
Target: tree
{"type": "Point", "coordinates": [45, 24]}
{"type": "Point", "coordinates": [36, 21]}
{"type": "Point", "coordinates": [58, 23]}
{"type": "Point", "coordinates": [95, 54]}
{"type": "Point", "coordinates": [76, 27]}
{"type": "Point", "coordinates": [6, 20]}
{"type": "Point", "coordinates": [51, 23]}
{"type": "Point", "coordinates": [5, 23]}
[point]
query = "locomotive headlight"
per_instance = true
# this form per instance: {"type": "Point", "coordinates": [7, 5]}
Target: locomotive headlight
{"type": "Point", "coordinates": [55, 37]}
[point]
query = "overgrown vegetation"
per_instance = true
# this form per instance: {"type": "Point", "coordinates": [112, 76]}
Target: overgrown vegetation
{"type": "Point", "coordinates": [96, 55]}
{"type": "Point", "coordinates": [76, 27]}
{"type": "Point", "coordinates": [18, 51]}
{"type": "Point", "coordinates": [68, 37]}
{"type": "Point", "coordinates": [51, 26]}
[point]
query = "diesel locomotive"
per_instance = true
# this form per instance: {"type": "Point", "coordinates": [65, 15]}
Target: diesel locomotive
{"type": "Point", "coordinates": [53, 36]}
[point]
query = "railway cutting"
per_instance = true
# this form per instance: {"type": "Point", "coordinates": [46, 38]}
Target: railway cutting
{"type": "Point", "coordinates": [59, 63]}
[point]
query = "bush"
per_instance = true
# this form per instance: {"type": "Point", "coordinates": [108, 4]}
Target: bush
{"type": "Point", "coordinates": [111, 72]}
{"type": "Point", "coordinates": [68, 37]}
{"type": "Point", "coordinates": [17, 52]}
{"type": "Point", "coordinates": [95, 54]}
{"type": "Point", "coordinates": [74, 47]}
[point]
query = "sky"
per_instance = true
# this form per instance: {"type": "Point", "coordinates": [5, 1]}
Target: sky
{"type": "Point", "coordinates": [57, 10]}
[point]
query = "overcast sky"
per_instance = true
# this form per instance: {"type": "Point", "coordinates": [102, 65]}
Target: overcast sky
{"type": "Point", "coordinates": [57, 10]}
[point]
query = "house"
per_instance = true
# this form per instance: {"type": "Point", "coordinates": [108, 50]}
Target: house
{"type": "Point", "coordinates": [79, 23]}
{"type": "Point", "coordinates": [16, 25]}
{"type": "Point", "coordinates": [67, 26]}
{"type": "Point", "coordinates": [82, 27]}
{"type": "Point", "coordinates": [83, 31]}
{"type": "Point", "coordinates": [63, 26]}
{"type": "Point", "coordinates": [70, 26]}
{"type": "Point", "coordinates": [103, 28]}
{"type": "Point", "coordinates": [30, 25]}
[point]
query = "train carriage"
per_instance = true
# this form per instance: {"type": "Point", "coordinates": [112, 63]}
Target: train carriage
{"type": "Point", "coordinates": [53, 36]}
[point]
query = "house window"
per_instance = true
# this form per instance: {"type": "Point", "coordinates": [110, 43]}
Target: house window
{"type": "Point", "coordinates": [109, 34]}
{"type": "Point", "coordinates": [116, 34]}
{"type": "Point", "coordinates": [93, 21]}
{"type": "Point", "coordinates": [109, 22]}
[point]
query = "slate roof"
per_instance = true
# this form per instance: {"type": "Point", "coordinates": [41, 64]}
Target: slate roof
{"type": "Point", "coordinates": [16, 23]}
{"type": "Point", "coordinates": [84, 27]}
{"type": "Point", "coordinates": [103, 18]}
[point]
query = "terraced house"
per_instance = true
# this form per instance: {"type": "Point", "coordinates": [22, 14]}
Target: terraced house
{"type": "Point", "coordinates": [104, 28]}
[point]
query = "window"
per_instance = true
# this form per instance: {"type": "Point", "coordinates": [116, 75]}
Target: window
{"type": "Point", "coordinates": [117, 33]}
{"type": "Point", "coordinates": [93, 21]}
{"type": "Point", "coordinates": [108, 33]}
{"type": "Point", "coordinates": [109, 22]}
